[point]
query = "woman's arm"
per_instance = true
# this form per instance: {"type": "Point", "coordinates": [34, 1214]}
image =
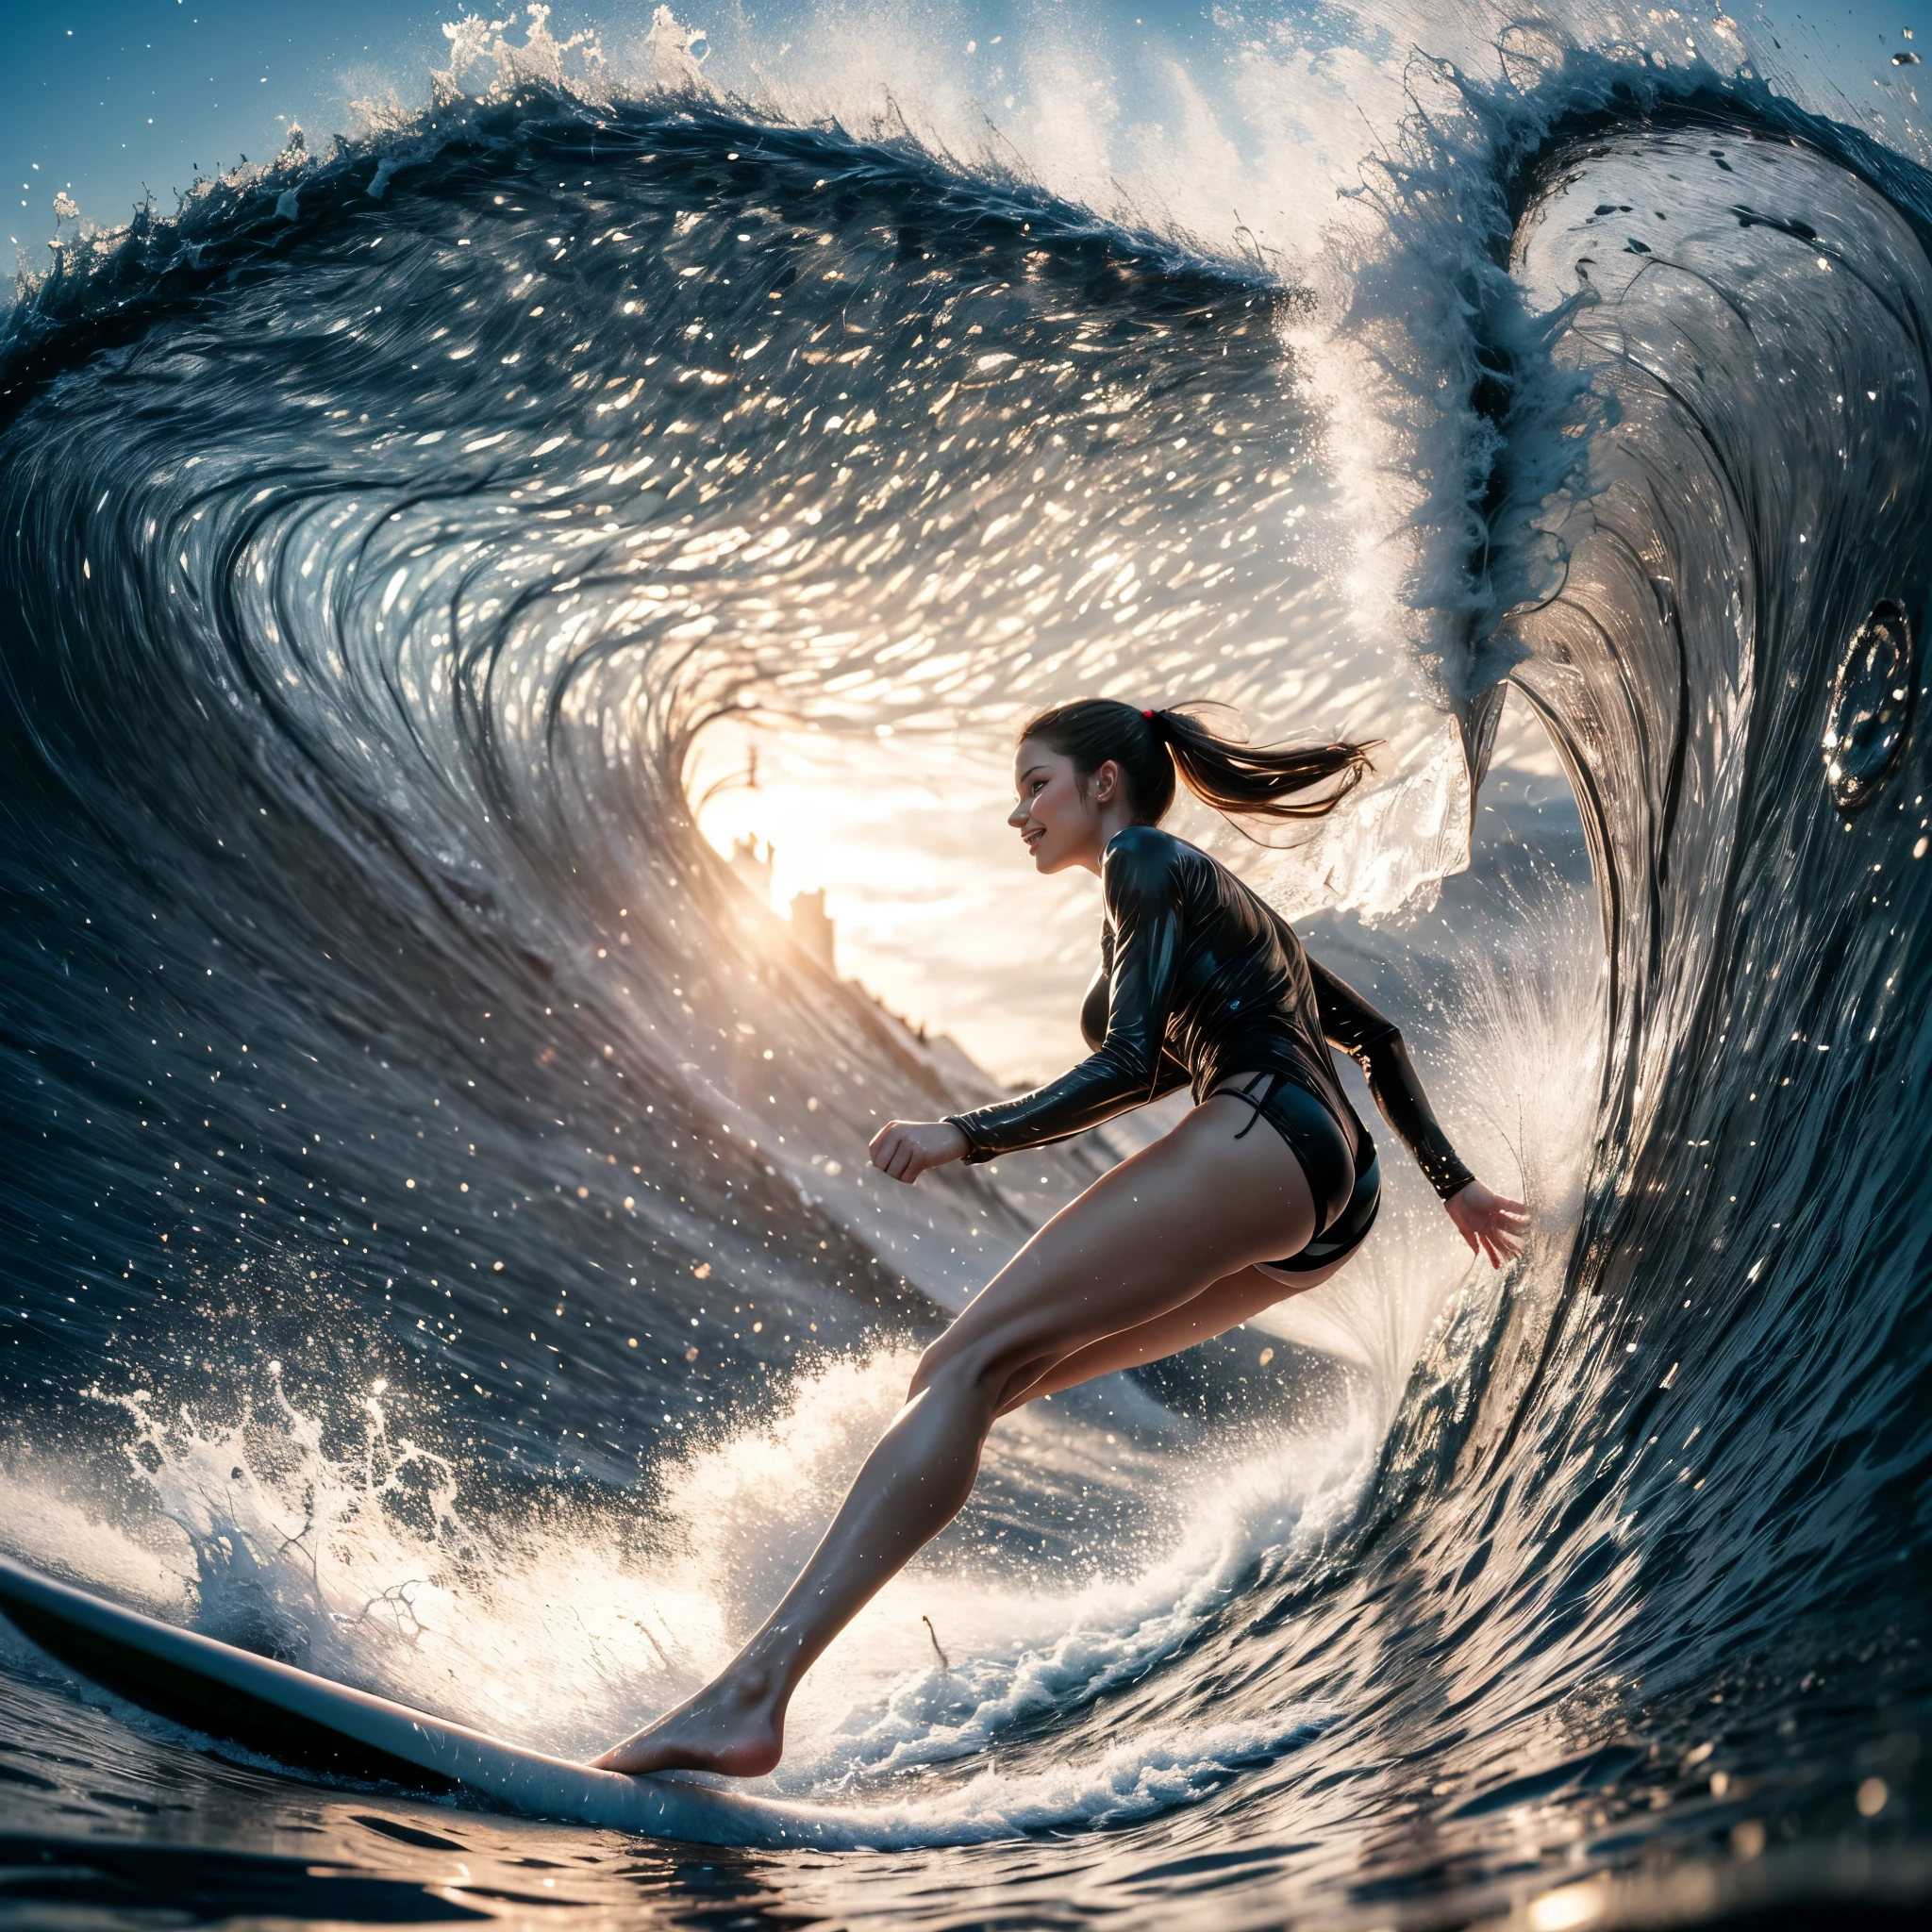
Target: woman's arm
{"type": "Point", "coordinates": [1128, 1067]}
{"type": "Point", "coordinates": [1375, 1042]}
{"type": "Point", "coordinates": [1491, 1224]}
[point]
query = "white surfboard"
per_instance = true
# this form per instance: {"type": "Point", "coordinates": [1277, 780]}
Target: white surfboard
{"type": "Point", "coordinates": [303, 1720]}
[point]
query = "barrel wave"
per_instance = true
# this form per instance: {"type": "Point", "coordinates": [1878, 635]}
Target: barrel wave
{"type": "Point", "coordinates": [440, 1248]}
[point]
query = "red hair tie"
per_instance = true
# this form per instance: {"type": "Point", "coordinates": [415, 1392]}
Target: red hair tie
{"type": "Point", "coordinates": [1148, 715]}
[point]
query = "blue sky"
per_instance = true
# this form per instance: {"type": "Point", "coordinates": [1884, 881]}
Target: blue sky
{"type": "Point", "coordinates": [102, 99]}
{"type": "Point", "coordinates": [106, 99]}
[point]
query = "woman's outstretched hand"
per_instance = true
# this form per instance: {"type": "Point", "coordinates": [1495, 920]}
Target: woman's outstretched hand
{"type": "Point", "coordinates": [1492, 1225]}
{"type": "Point", "coordinates": [905, 1149]}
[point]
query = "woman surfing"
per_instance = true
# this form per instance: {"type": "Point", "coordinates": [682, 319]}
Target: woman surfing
{"type": "Point", "coordinates": [1265, 1190]}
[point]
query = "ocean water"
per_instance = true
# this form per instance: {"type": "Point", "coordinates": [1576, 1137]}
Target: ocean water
{"type": "Point", "coordinates": [435, 1234]}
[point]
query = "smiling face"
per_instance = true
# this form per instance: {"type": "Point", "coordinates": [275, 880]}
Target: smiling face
{"type": "Point", "coordinates": [1062, 822]}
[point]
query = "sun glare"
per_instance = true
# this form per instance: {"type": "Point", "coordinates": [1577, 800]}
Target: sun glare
{"type": "Point", "coordinates": [929, 893]}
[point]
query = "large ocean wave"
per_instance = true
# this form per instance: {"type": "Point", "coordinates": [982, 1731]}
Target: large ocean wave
{"type": "Point", "coordinates": [439, 1243]}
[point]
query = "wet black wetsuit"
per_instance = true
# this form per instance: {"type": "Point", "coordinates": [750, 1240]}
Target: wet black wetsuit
{"type": "Point", "coordinates": [1200, 980]}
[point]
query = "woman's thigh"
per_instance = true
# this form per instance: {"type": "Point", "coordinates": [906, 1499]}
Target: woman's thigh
{"type": "Point", "coordinates": [1197, 1206]}
{"type": "Point", "coordinates": [1221, 1305]}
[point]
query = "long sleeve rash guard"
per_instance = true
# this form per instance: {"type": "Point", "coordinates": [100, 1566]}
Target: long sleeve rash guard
{"type": "Point", "coordinates": [1200, 979]}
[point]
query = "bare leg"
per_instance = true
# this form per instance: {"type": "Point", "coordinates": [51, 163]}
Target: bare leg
{"type": "Point", "coordinates": [1196, 1208]}
{"type": "Point", "coordinates": [1221, 1305]}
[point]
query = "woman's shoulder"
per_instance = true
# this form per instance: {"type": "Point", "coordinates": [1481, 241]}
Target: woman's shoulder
{"type": "Point", "coordinates": [1146, 852]}
{"type": "Point", "coordinates": [1144, 859]}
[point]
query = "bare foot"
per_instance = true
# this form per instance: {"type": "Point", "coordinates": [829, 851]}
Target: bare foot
{"type": "Point", "coordinates": [729, 1726]}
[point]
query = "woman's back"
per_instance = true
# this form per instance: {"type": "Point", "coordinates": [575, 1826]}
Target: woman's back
{"type": "Point", "coordinates": [1239, 994]}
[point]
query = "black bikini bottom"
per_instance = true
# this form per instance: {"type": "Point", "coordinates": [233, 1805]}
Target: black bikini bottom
{"type": "Point", "coordinates": [1347, 1189]}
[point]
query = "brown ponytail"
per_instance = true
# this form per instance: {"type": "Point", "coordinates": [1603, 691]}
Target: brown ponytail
{"type": "Point", "coordinates": [1242, 780]}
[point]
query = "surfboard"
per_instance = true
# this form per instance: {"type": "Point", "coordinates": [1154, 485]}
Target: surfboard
{"type": "Point", "coordinates": [310, 1722]}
